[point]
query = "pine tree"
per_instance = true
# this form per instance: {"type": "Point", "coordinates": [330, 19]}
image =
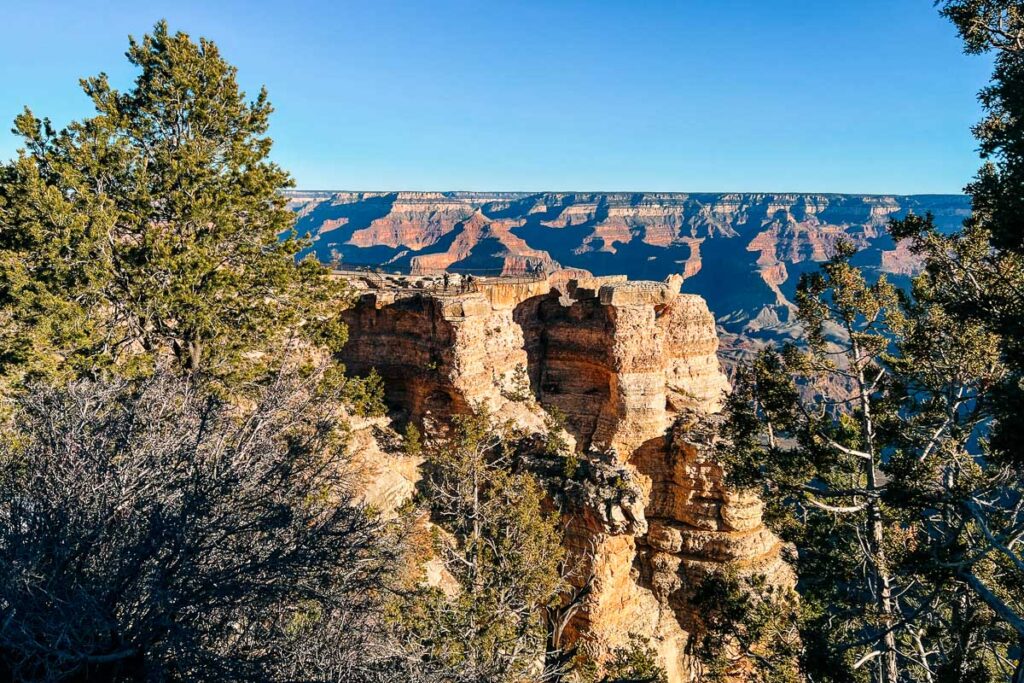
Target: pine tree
{"type": "Point", "coordinates": [154, 229]}
{"type": "Point", "coordinates": [822, 446]}
{"type": "Point", "coordinates": [975, 278]}
{"type": "Point", "coordinates": [924, 430]}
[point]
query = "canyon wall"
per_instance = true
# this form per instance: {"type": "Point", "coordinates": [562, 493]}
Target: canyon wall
{"type": "Point", "coordinates": [742, 252]}
{"type": "Point", "coordinates": [632, 366]}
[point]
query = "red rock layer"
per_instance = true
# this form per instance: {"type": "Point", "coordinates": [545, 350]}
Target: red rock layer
{"type": "Point", "coordinates": [623, 361]}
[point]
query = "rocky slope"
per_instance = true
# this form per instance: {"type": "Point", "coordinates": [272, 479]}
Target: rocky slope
{"type": "Point", "coordinates": [742, 252]}
{"type": "Point", "coordinates": [633, 367]}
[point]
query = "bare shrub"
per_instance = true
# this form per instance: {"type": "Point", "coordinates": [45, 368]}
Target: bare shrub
{"type": "Point", "coordinates": [150, 530]}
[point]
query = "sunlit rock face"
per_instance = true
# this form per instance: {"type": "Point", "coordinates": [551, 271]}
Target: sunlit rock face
{"type": "Point", "coordinates": [619, 359]}
{"type": "Point", "coordinates": [632, 367]}
{"type": "Point", "coordinates": [742, 252]}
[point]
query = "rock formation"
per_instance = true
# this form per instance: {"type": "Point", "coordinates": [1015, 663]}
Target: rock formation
{"type": "Point", "coordinates": [742, 252]}
{"type": "Point", "coordinates": [633, 368]}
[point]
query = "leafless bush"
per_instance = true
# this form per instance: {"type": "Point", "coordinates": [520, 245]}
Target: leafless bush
{"type": "Point", "coordinates": [151, 531]}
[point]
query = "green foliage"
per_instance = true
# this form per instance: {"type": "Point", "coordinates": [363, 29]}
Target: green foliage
{"type": "Point", "coordinates": [571, 465]}
{"type": "Point", "coordinates": [149, 245]}
{"type": "Point", "coordinates": [365, 395]}
{"type": "Point", "coordinates": [521, 391]}
{"type": "Point", "coordinates": [412, 444]}
{"type": "Point", "coordinates": [968, 484]}
{"type": "Point", "coordinates": [635, 662]}
{"type": "Point", "coordinates": [555, 442]}
{"type": "Point", "coordinates": [761, 407]}
{"type": "Point", "coordinates": [554, 425]}
{"type": "Point", "coordinates": [749, 627]}
{"type": "Point", "coordinates": [151, 230]}
{"type": "Point", "coordinates": [887, 446]}
{"type": "Point", "coordinates": [500, 548]}
{"type": "Point", "coordinates": [810, 427]}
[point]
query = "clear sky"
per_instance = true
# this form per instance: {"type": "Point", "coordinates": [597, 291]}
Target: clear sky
{"type": "Point", "coordinates": [688, 95]}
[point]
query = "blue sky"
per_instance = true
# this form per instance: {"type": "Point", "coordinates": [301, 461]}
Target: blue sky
{"type": "Point", "coordinates": [711, 95]}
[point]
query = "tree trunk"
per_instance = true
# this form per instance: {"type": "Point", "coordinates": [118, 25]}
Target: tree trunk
{"type": "Point", "coordinates": [195, 353]}
{"type": "Point", "coordinates": [189, 353]}
{"type": "Point", "coordinates": [888, 665]}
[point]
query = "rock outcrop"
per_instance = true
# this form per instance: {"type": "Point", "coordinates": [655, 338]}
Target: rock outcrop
{"type": "Point", "coordinates": [742, 252]}
{"type": "Point", "coordinates": [632, 367]}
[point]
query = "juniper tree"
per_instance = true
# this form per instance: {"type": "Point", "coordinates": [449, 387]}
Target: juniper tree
{"type": "Point", "coordinates": [152, 229]}
{"type": "Point", "coordinates": [174, 495]}
{"type": "Point", "coordinates": [501, 554]}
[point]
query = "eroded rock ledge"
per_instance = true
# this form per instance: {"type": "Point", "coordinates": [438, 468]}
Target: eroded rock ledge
{"type": "Point", "coordinates": [632, 366]}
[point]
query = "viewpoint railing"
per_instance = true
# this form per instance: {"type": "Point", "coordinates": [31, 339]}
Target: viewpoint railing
{"type": "Point", "coordinates": [439, 280]}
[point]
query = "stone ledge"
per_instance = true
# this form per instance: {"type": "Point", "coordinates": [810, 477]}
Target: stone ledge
{"type": "Point", "coordinates": [639, 293]}
{"type": "Point", "coordinates": [586, 287]}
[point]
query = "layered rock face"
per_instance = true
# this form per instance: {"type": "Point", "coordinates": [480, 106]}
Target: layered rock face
{"type": "Point", "coordinates": [444, 352]}
{"type": "Point", "coordinates": [742, 252]}
{"type": "Point", "coordinates": [695, 524]}
{"type": "Point", "coordinates": [632, 366]}
{"type": "Point", "coordinates": [619, 359]}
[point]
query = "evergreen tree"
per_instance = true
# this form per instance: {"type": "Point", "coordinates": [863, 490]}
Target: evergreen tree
{"type": "Point", "coordinates": [807, 424]}
{"type": "Point", "coordinates": [927, 391]}
{"type": "Point", "coordinates": [975, 277]}
{"type": "Point", "coordinates": [154, 523]}
{"type": "Point", "coordinates": [152, 229]}
{"type": "Point", "coordinates": [501, 554]}
{"type": "Point", "coordinates": [866, 446]}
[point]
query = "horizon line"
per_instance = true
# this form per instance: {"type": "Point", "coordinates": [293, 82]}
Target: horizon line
{"type": "Point", "coordinates": [677, 192]}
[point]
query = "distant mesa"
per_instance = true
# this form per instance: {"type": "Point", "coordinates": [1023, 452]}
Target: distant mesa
{"type": "Point", "coordinates": [742, 252]}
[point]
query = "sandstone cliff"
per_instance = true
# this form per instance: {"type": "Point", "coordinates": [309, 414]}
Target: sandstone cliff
{"type": "Point", "coordinates": [742, 252]}
{"type": "Point", "coordinates": [633, 367]}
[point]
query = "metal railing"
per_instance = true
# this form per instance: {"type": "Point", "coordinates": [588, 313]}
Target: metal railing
{"type": "Point", "coordinates": [469, 279]}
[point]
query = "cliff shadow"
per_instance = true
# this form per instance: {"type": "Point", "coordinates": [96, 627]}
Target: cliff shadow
{"type": "Point", "coordinates": [527, 316]}
{"type": "Point", "coordinates": [488, 257]}
{"type": "Point", "coordinates": [567, 366]}
{"type": "Point", "coordinates": [356, 216]}
{"type": "Point", "coordinates": [409, 344]}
